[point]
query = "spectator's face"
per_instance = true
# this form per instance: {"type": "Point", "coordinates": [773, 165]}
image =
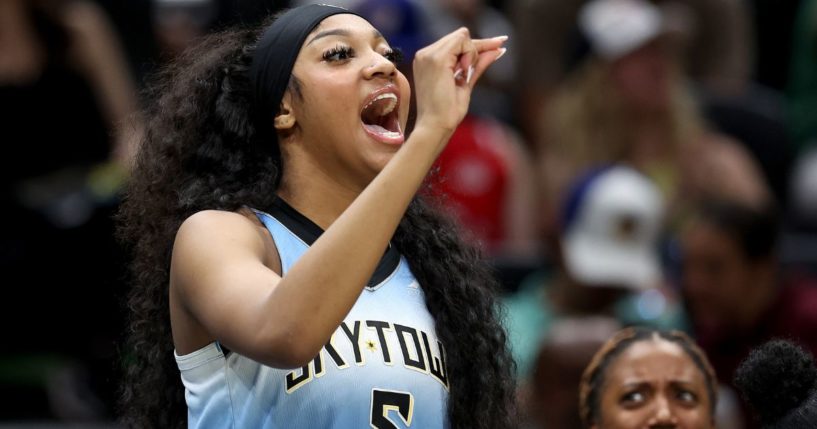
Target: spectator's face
{"type": "Point", "coordinates": [715, 276]}
{"type": "Point", "coordinates": [643, 77]}
{"type": "Point", "coordinates": [654, 384]}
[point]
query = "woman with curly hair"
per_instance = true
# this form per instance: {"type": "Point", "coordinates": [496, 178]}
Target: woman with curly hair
{"type": "Point", "coordinates": [280, 251]}
{"type": "Point", "coordinates": [644, 378]}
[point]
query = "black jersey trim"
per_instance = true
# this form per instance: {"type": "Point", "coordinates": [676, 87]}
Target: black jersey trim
{"type": "Point", "coordinates": [308, 232]}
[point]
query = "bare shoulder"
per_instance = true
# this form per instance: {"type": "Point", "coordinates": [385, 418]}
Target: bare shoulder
{"type": "Point", "coordinates": [210, 239]}
{"type": "Point", "coordinates": [214, 230]}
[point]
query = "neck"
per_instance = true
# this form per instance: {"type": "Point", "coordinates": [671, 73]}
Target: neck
{"type": "Point", "coordinates": [652, 140]}
{"type": "Point", "coordinates": [316, 194]}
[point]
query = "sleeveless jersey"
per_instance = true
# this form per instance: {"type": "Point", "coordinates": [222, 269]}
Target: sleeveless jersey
{"type": "Point", "coordinates": [382, 368]}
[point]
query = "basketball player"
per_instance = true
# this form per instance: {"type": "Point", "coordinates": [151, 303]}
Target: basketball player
{"type": "Point", "coordinates": [273, 216]}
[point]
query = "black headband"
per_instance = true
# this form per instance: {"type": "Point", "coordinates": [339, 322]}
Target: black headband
{"type": "Point", "coordinates": [278, 48]}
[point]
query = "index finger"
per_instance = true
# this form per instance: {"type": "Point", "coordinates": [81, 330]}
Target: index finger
{"type": "Point", "coordinates": [483, 45]}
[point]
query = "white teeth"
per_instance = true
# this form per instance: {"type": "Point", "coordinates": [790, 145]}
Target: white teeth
{"type": "Point", "coordinates": [388, 108]}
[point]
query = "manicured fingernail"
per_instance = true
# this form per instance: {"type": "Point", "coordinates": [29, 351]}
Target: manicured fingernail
{"type": "Point", "coordinates": [501, 53]}
{"type": "Point", "coordinates": [502, 38]}
{"type": "Point", "coordinates": [457, 74]}
{"type": "Point", "coordinates": [470, 73]}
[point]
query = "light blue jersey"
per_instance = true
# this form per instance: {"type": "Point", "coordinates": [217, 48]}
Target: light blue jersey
{"type": "Point", "coordinates": [382, 368]}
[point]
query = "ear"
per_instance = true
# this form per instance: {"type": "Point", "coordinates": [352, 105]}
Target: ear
{"type": "Point", "coordinates": [285, 119]}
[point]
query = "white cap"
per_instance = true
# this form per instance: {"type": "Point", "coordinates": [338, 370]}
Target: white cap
{"type": "Point", "coordinates": [617, 27]}
{"type": "Point", "coordinates": [611, 230]}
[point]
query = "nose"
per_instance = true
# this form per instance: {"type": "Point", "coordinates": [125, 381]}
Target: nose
{"type": "Point", "coordinates": [379, 66]}
{"type": "Point", "coordinates": [663, 416]}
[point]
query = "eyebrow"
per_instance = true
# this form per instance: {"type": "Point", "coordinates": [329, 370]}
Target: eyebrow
{"type": "Point", "coordinates": [638, 383]}
{"type": "Point", "coordinates": [341, 32]}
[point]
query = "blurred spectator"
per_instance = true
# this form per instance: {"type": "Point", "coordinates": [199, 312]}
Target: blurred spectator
{"type": "Point", "coordinates": [66, 105]}
{"type": "Point", "coordinates": [607, 266]}
{"type": "Point", "coordinates": [628, 102]}
{"type": "Point", "coordinates": [179, 23]}
{"type": "Point", "coordinates": [757, 120]}
{"type": "Point", "coordinates": [645, 378]}
{"type": "Point", "coordinates": [492, 97]}
{"type": "Point", "coordinates": [734, 289]}
{"type": "Point", "coordinates": [802, 86]}
{"type": "Point", "coordinates": [717, 48]}
{"type": "Point", "coordinates": [779, 380]}
{"type": "Point", "coordinates": [550, 396]}
{"type": "Point", "coordinates": [486, 179]}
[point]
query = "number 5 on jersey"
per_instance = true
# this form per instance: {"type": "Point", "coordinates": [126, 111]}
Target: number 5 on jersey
{"type": "Point", "coordinates": [384, 401]}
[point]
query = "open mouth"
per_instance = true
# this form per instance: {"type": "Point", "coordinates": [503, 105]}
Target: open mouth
{"type": "Point", "coordinates": [380, 118]}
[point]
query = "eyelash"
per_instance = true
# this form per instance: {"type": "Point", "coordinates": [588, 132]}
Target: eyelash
{"type": "Point", "coordinates": [394, 55]}
{"type": "Point", "coordinates": [339, 53]}
{"type": "Point", "coordinates": [343, 53]}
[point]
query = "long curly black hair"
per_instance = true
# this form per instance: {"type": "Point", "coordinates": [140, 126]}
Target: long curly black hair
{"type": "Point", "coordinates": [203, 150]}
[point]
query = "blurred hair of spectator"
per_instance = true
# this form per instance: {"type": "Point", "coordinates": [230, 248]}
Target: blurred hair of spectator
{"type": "Point", "coordinates": [67, 107]}
{"type": "Point", "coordinates": [757, 119]}
{"type": "Point", "coordinates": [607, 266]}
{"type": "Point", "coordinates": [716, 44]}
{"type": "Point", "coordinates": [779, 380]}
{"type": "Point", "coordinates": [485, 179]}
{"type": "Point", "coordinates": [628, 102]}
{"type": "Point", "coordinates": [802, 87]}
{"type": "Point", "coordinates": [493, 96]}
{"type": "Point", "coordinates": [735, 290]}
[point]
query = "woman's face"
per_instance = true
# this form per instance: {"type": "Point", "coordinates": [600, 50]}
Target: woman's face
{"type": "Point", "coordinates": [654, 384]}
{"type": "Point", "coordinates": [353, 102]}
{"type": "Point", "coordinates": [644, 77]}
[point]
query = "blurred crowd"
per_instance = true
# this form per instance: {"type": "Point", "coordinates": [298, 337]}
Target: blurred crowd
{"type": "Point", "coordinates": [647, 163]}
